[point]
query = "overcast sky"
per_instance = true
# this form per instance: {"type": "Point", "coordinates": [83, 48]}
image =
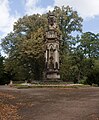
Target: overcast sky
{"type": "Point", "coordinates": [11, 10]}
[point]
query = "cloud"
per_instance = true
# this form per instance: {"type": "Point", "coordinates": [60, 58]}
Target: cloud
{"type": "Point", "coordinates": [6, 19]}
{"type": "Point", "coordinates": [86, 8]}
{"type": "Point", "coordinates": [32, 8]}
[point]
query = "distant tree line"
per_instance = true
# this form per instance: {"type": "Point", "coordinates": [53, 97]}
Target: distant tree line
{"type": "Point", "coordinates": [79, 52]}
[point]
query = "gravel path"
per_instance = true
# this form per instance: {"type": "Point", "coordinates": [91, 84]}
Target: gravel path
{"type": "Point", "coordinates": [49, 103]}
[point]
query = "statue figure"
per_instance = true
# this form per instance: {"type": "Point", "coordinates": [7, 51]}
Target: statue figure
{"type": "Point", "coordinates": [51, 20]}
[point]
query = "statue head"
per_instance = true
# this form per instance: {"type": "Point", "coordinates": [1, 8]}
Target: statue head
{"type": "Point", "coordinates": [51, 18]}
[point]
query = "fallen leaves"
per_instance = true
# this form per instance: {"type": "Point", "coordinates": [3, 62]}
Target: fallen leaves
{"type": "Point", "coordinates": [6, 95]}
{"type": "Point", "coordinates": [8, 111]}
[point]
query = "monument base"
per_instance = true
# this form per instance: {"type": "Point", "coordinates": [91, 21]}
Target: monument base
{"type": "Point", "coordinates": [52, 75]}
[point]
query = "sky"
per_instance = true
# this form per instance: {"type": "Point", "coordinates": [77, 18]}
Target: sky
{"type": "Point", "coordinates": [12, 10]}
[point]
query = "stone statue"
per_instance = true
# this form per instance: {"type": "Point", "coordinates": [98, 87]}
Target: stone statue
{"type": "Point", "coordinates": [52, 40]}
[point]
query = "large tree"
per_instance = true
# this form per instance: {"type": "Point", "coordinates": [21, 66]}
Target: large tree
{"type": "Point", "coordinates": [25, 46]}
{"type": "Point", "coordinates": [70, 23]}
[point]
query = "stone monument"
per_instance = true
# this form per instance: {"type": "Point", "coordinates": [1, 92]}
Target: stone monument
{"type": "Point", "coordinates": [52, 40]}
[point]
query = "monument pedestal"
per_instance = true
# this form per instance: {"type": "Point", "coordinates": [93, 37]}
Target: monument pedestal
{"type": "Point", "coordinates": [53, 75]}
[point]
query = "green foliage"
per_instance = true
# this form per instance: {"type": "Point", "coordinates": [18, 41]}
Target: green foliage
{"type": "Point", "coordinates": [69, 22]}
{"type": "Point", "coordinates": [3, 75]}
{"type": "Point", "coordinates": [89, 44]}
{"type": "Point", "coordinates": [65, 68]}
{"type": "Point", "coordinates": [1, 69]}
{"type": "Point", "coordinates": [25, 48]}
{"type": "Point", "coordinates": [79, 56]}
{"type": "Point", "coordinates": [93, 76]}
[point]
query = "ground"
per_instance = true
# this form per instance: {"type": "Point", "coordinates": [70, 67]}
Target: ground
{"type": "Point", "coordinates": [49, 103]}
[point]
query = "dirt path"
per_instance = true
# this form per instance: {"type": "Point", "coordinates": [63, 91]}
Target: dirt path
{"type": "Point", "coordinates": [49, 104]}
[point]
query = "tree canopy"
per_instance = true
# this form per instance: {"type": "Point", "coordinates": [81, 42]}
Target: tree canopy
{"type": "Point", "coordinates": [25, 47]}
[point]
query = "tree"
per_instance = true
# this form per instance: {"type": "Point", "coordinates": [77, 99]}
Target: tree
{"type": "Point", "coordinates": [69, 22]}
{"type": "Point", "coordinates": [3, 75]}
{"type": "Point", "coordinates": [82, 59]}
{"type": "Point", "coordinates": [89, 44]}
{"type": "Point", "coordinates": [93, 75]}
{"type": "Point", "coordinates": [1, 69]}
{"type": "Point", "coordinates": [25, 45]}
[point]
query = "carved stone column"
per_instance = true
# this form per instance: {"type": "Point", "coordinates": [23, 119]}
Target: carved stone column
{"type": "Point", "coordinates": [52, 40]}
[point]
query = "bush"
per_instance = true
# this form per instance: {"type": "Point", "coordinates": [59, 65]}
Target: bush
{"type": "Point", "coordinates": [84, 81]}
{"type": "Point", "coordinates": [93, 76]}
